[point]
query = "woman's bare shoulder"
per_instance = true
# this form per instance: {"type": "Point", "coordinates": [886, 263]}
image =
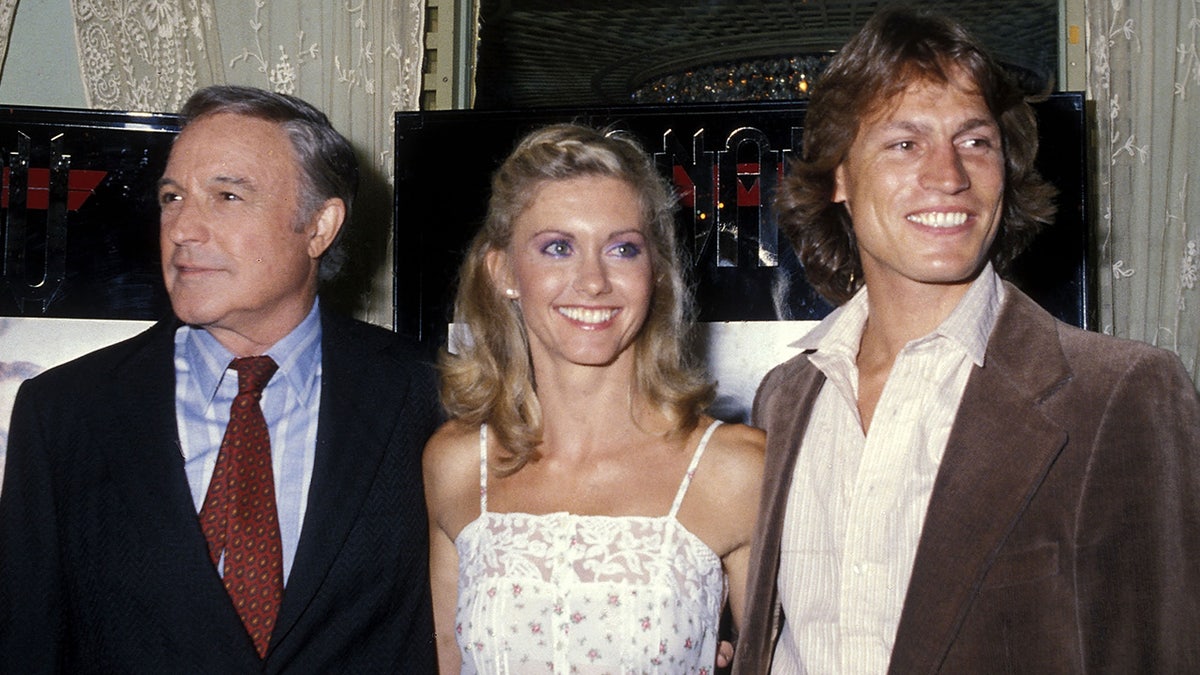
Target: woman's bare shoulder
{"type": "Point", "coordinates": [451, 474]}
{"type": "Point", "coordinates": [725, 489]}
{"type": "Point", "coordinates": [451, 455]}
{"type": "Point", "coordinates": [452, 439]}
{"type": "Point", "coordinates": [735, 462]}
{"type": "Point", "coordinates": [740, 448]}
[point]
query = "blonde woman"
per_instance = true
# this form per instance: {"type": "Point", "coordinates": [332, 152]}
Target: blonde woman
{"type": "Point", "coordinates": [585, 514]}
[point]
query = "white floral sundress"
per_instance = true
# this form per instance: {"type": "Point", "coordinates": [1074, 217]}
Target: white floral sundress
{"type": "Point", "coordinates": [563, 593]}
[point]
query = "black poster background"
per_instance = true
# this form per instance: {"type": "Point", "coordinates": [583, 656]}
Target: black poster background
{"type": "Point", "coordinates": [725, 160]}
{"type": "Point", "coordinates": [78, 218]}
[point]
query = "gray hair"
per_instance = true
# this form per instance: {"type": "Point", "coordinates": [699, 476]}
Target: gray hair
{"type": "Point", "coordinates": [328, 167]}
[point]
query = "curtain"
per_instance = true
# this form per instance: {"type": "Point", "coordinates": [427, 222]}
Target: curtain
{"type": "Point", "coordinates": [1144, 76]}
{"type": "Point", "coordinates": [357, 60]}
{"type": "Point", "coordinates": [8, 10]}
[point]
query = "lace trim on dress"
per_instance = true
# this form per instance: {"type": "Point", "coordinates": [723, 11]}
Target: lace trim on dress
{"type": "Point", "coordinates": [565, 593]}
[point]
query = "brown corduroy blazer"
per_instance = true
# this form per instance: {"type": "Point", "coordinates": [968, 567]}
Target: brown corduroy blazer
{"type": "Point", "coordinates": [1063, 532]}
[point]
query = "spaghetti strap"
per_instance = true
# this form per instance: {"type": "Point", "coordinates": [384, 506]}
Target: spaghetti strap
{"type": "Point", "coordinates": [482, 468]}
{"type": "Point", "coordinates": [691, 470]}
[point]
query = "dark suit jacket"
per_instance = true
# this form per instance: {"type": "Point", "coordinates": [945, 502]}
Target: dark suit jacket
{"type": "Point", "coordinates": [1063, 532]}
{"type": "Point", "coordinates": [104, 568]}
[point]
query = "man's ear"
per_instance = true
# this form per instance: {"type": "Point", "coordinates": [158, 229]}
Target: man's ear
{"type": "Point", "coordinates": [324, 226]}
{"type": "Point", "coordinates": [500, 271]}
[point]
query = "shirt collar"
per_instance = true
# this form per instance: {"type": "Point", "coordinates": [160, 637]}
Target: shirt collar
{"type": "Point", "coordinates": [298, 355]}
{"type": "Point", "coordinates": [969, 325]}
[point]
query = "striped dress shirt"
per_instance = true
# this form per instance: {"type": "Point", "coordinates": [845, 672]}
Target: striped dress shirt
{"type": "Point", "coordinates": [857, 502]}
{"type": "Point", "coordinates": [205, 389]}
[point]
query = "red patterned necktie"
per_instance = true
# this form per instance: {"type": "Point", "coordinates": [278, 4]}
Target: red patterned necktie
{"type": "Point", "coordinates": [238, 516]}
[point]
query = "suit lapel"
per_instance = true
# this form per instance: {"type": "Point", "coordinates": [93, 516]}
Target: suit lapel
{"type": "Point", "coordinates": [146, 457]}
{"type": "Point", "coordinates": [352, 436]}
{"type": "Point", "coordinates": [783, 409]}
{"type": "Point", "coordinates": [148, 477]}
{"type": "Point", "coordinates": [149, 473]}
{"type": "Point", "coordinates": [999, 451]}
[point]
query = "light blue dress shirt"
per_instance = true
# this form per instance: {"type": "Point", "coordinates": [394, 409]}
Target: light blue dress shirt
{"type": "Point", "coordinates": [204, 390]}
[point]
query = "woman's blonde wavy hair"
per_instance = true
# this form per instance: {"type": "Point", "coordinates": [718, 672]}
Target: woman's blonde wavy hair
{"type": "Point", "coordinates": [490, 378]}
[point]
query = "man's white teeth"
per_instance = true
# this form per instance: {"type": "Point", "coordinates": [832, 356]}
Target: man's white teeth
{"type": "Point", "coordinates": [939, 219]}
{"type": "Point", "coordinates": [587, 315]}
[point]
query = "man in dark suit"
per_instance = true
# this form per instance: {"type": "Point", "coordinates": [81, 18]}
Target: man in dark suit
{"type": "Point", "coordinates": [237, 489]}
{"type": "Point", "coordinates": [955, 481]}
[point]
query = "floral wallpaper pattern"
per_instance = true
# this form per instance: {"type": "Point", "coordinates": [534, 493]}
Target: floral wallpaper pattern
{"type": "Point", "coordinates": [141, 55]}
{"type": "Point", "coordinates": [1144, 77]}
{"type": "Point", "coordinates": [8, 9]}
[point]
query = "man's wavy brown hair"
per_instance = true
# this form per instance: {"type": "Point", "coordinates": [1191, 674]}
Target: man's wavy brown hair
{"type": "Point", "coordinates": [896, 48]}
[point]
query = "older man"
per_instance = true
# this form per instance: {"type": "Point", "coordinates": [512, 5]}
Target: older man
{"type": "Point", "coordinates": [956, 481]}
{"type": "Point", "coordinates": [237, 489]}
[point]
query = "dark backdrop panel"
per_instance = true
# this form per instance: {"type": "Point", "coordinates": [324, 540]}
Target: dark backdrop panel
{"type": "Point", "coordinates": [78, 213]}
{"type": "Point", "coordinates": [726, 161]}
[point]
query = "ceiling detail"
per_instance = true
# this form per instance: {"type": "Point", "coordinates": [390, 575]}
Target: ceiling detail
{"type": "Point", "coordinates": [534, 53]}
